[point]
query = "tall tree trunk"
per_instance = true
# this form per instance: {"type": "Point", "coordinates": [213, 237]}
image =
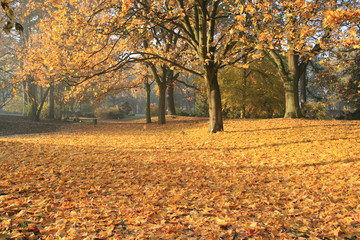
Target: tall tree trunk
{"type": "Point", "coordinates": [161, 80]}
{"type": "Point", "coordinates": [33, 100]}
{"type": "Point", "coordinates": [291, 84]}
{"type": "Point", "coordinates": [303, 85]}
{"type": "Point", "coordinates": [291, 100]}
{"type": "Point", "coordinates": [147, 107]}
{"type": "Point", "coordinates": [25, 96]}
{"type": "Point", "coordinates": [162, 98]}
{"type": "Point", "coordinates": [51, 102]}
{"type": "Point", "coordinates": [170, 100]}
{"type": "Point", "coordinates": [290, 79]}
{"type": "Point", "coordinates": [243, 91]}
{"type": "Point", "coordinates": [214, 98]}
{"type": "Point", "coordinates": [41, 92]}
{"type": "Point", "coordinates": [39, 109]}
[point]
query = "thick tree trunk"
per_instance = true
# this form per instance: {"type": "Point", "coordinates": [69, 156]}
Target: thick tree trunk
{"type": "Point", "coordinates": [170, 100]}
{"type": "Point", "coordinates": [291, 84]}
{"type": "Point", "coordinates": [51, 103]}
{"type": "Point", "coordinates": [290, 78]}
{"type": "Point", "coordinates": [161, 81]}
{"type": "Point", "coordinates": [147, 107]}
{"type": "Point", "coordinates": [214, 98]}
{"type": "Point", "coordinates": [292, 109]}
{"type": "Point", "coordinates": [162, 98]}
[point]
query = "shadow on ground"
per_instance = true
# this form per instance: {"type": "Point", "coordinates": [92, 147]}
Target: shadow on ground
{"type": "Point", "coordinates": [14, 125]}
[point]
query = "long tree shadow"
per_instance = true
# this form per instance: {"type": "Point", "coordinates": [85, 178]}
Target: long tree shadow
{"type": "Point", "coordinates": [174, 149]}
{"type": "Point", "coordinates": [276, 144]}
{"type": "Point", "coordinates": [348, 160]}
{"type": "Point", "coordinates": [294, 127]}
{"type": "Point", "coordinates": [130, 151]}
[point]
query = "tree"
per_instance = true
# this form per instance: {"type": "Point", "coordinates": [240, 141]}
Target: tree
{"type": "Point", "coordinates": [303, 86]}
{"type": "Point", "coordinates": [6, 93]}
{"type": "Point", "coordinates": [78, 54]}
{"type": "Point", "coordinates": [30, 16]}
{"type": "Point", "coordinates": [162, 73]}
{"type": "Point", "coordinates": [51, 102]}
{"type": "Point", "coordinates": [341, 74]}
{"type": "Point", "coordinates": [350, 87]}
{"type": "Point", "coordinates": [207, 29]}
{"type": "Point", "coordinates": [37, 99]}
{"type": "Point", "coordinates": [147, 102]}
{"type": "Point", "coordinates": [7, 63]}
{"type": "Point", "coordinates": [292, 33]}
{"type": "Point", "coordinates": [252, 92]}
{"type": "Point", "coordinates": [170, 97]}
{"type": "Point", "coordinates": [93, 54]}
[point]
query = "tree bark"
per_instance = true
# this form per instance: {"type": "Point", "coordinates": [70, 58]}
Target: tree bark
{"type": "Point", "coordinates": [147, 107]}
{"type": "Point", "coordinates": [170, 100]}
{"type": "Point", "coordinates": [291, 101]}
{"type": "Point", "coordinates": [243, 91]}
{"type": "Point", "coordinates": [290, 79]}
{"type": "Point", "coordinates": [25, 96]}
{"type": "Point", "coordinates": [39, 109]}
{"type": "Point", "coordinates": [161, 80]}
{"type": "Point", "coordinates": [214, 98]}
{"type": "Point", "coordinates": [291, 84]}
{"type": "Point", "coordinates": [303, 85]}
{"type": "Point", "coordinates": [51, 103]}
{"type": "Point", "coordinates": [33, 100]}
{"type": "Point", "coordinates": [162, 98]}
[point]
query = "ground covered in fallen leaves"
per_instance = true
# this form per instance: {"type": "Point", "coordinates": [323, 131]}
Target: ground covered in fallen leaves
{"type": "Point", "coordinates": [259, 179]}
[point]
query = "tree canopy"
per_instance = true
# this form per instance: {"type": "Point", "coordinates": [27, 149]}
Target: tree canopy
{"type": "Point", "coordinates": [87, 43]}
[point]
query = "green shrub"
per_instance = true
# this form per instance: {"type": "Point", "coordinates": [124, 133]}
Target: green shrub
{"type": "Point", "coordinates": [86, 110]}
{"type": "Point", "coordinates": [201, 107]}
{"type": "Point", "coordinates": [125, 108]}
{"type": "Point", "coordinates": [315, 110]}
{"type": "Point", "coordinates": [232, 113]}
{"type": "Point", "coordinates": [356, 115]}
{"type": "Point", "coordinates": [181, 112]}
{"type": "Point", "coordinates": [106, 112]}
{"type": "Point", "coordinates": [14, 105]}
{"type": "Point", "coordinates": [44, 114]}
{"type": "Point", "coordinates": [45, 111]}
{"type": "Point", "coordinates": [154, 109]}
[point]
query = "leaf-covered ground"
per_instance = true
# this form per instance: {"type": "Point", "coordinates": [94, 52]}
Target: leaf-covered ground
{"type": "Point", "coordinates": [260, 179]}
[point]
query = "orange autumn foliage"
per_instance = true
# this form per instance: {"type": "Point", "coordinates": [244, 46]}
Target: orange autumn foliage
{"type": "Point", "coordinates": [269, 179]}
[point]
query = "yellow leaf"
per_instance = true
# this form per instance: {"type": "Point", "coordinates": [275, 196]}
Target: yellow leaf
{"type": "Point", "coordinates": [352, 32]}
{"type": "Point", "coordinates": [221, 222]}
{"type": "Point", "coordinates": [262, 36]}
